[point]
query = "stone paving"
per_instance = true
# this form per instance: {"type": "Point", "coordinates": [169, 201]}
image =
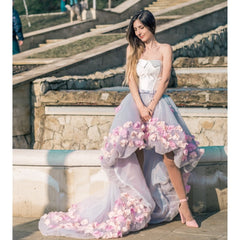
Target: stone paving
{"type": "Point", "coordinates": [213, 226]}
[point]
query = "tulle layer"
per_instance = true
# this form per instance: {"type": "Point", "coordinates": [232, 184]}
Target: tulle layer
{"type": "Point", "coordinates": [126, 207]}
{"type": "Point", "coordinates": [128, 213]}
{"type": "Point", "coordinates": [164, 132]}
{"type": "Point", "coordinates": [134, 198]}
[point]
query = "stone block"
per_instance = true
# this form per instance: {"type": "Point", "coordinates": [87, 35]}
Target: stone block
{"type": "Point", "coordinates": [43, 188]}
{"type": "Point", "coordinates": [47, 135]}
{"type": "Point", "coordinates": [206, 124]}
{"type": "Point", "coordinates": [93, 134]}
{"type": "Point", "coordinates": [53, 180]}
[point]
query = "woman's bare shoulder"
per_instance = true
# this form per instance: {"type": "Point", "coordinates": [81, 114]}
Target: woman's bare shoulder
{"type": "Point", "coordinates": [165, 47]}
{"type": "Point", "coordinates": [128, 49]}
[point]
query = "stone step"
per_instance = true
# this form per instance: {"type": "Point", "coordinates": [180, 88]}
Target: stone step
{"type": "Point", "coordinates": [156, 6]}
{"type": "Point", "coordinates": [170, 2]}
{"type": "Point", "coordinates": [36, 61]}
{"type": "Point", "coordinates": [97, 27]}
{"type": "Point", "coordinates": [170, 17]}
{"type": "Point", "coordinates": [49, 41]}
{"type": "Point", "coordinates": [200, 77]}
{"type": "Point", "coordinates": [42, 44]}
{"type": "Point", "coordinates": [165, 4]}
{"type": "Point", "coordinates": [209, 72]}
{"type": "Point", "coordinates": [49, 178]}
{"type": "Point", "coordinates": [186, 62]}
{"type": "Point", "coordinates": [103, 26]}
{"type": "Point", "coordinates": [58, 89]}
{"type": "Point", "coordinates": [53, 40]}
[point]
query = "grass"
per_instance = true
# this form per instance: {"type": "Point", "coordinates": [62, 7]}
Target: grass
{"type": "Point", "coordinates": [41, 22]}
{"type": "Point", "coordinates": [188, 10]}
{"type": "Point", "coordinates": [78, 46]}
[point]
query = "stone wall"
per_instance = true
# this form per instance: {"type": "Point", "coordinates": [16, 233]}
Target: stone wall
{"type": "Point", "coordinates": [212, 43]}
{"type": "Point", "coordinates": [74, 132]}
{"type": "Point", "coordinates": [84, 129]}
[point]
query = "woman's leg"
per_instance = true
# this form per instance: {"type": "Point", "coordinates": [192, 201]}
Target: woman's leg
{"type": "Point", "coordinates": [177, 182]}
{"type": "Point", "coordinates": [140, 157]}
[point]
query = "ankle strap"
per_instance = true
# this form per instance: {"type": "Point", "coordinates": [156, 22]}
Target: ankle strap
{"type": "Point", "coordinates": [183, 200]}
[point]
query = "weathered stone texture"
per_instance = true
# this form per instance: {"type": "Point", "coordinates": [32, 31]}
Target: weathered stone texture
{"type": "Point", "coordinates": [186, 62]}
{"type": "Point", "coordinates": [87, 132]}
{"type": "Point", "coordinates": [213, 43]}
{"type": "Point", "coordinates": [73, 132]}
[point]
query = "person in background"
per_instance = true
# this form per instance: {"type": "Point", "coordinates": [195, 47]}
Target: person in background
{"type": "Point", "coordinates": [63, 3]}
{"type": "Point", "coordinates": [73, 2]}
{"type": "Point", "coordinates": [17, 31]}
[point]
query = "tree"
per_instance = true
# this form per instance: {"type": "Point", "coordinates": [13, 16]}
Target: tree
{"type": "Point", "coordinates": [26, 10]}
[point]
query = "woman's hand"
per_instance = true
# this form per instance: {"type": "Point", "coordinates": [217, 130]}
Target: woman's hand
{"type": "Point", "coordinates": [151, 107]}
{"type": "Point", "coordinates": [145, 113]}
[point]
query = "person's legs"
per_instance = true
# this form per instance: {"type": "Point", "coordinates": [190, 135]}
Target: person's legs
{"type": "Point", "coordinates": [15, 48]}
{"type": "Point", "coordinates": [140, 157]}
{"type": "Point", "coordinates": [177, 182]}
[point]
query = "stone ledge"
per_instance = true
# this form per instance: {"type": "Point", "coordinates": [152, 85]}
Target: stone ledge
{"type": "Point", "coordinates": [81, 158]}
{"type": "Point", "coordinates": [198, 62]}
{"type": "Point", "coordinates": [187, 97]}
{"type": "Point", "coordinates": [110, 111]}
{"type": "Point", "coordinates": [179, 5]}
{"type": "Point", "coordinates": [201, 77]}
{"type": "Point", "coordinates": [46, 181]}
{"type": "Point", "coordinates": [90, 158]}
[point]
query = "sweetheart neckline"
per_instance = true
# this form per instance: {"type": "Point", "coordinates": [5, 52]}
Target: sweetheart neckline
{"type": "Point", "coordinates": [150, 59]}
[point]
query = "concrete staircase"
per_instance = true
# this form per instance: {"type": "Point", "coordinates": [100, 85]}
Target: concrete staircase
{"type": "Point", "coordinates": [163, 4]}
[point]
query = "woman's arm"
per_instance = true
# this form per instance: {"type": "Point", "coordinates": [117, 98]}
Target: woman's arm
{"type": "Point", "coordinates": [166, 74]}
{"type": "Point", "coordinates": [144, 112]}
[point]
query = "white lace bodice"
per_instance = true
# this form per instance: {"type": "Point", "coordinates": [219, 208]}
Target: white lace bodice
{"type": "Point", "coordinates": [149, 73]}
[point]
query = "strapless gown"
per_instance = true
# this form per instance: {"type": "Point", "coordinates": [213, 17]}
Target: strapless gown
{"type": "Point", "coordinates": [134, 197]}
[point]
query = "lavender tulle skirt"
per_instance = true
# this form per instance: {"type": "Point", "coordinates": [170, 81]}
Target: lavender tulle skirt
{"type": "Point", "coordinates": [133, 198]}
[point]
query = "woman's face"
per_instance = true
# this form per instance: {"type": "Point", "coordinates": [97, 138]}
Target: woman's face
{"type": "Point", "coordinates": [141, 31]}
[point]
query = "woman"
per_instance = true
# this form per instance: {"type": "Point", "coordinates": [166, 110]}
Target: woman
{"type": "Point", "coordinates": [146, 119]}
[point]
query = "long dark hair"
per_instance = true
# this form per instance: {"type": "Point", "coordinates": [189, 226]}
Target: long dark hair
{"type": "Point", "coordinates": [136, 45]}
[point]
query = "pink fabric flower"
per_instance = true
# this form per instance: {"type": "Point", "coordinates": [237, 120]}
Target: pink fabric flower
{"type": "Point", "coordinates": [191, 147]}
{"type": "Point", "coordinates": [117, 109]}
{"type": "Point", "coordinates": [137, 125]}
